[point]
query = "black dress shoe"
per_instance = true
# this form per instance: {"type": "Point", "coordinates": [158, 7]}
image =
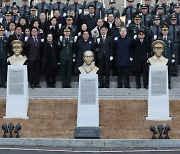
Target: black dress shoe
{"type": "Point", "coordinates": [127, 87]}
{"type": "Point", "coordinates": [32, 86]}
{"type": "Point", "coordinates": [106, 86]}
{"type": "Point", "coordinates": [138, 87]}
{"type": "Point", "coordinates": [119, 86]}
{"type": "Point", "coordinates": [38, 86]}
{"type": "Point", "coordinates": [170, 87]}
{"type": "Point", "coordinates": [145, 87]}
{"type": "Point", "coordinates": [101, 86]}
{"type": "Point", "coordinates": [4, 86]}
{"type": "Point", "coordinates": [68, 86]}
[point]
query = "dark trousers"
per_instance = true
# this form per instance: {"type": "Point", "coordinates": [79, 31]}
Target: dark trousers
{"type": "Point", "coordinates": [66, 72]}
{"type": "Point", "coordinates": [3, 72]}
{"type": "Point", "coordinates": [174, 68]}
{"type": "Point", "coordinates": [123, 74]}
{"type": "Point", "coordinates": [104, 71]}
{"type": "Point", "coordinates": [145, 79]}
{"type": "Point", "coordinates": [51, 80]}
{"type": "Point", "coordinates": [34, 72]}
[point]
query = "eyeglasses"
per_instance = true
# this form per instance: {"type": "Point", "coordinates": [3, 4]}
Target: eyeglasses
{"type": "Point", "coordinates": [140, 34]}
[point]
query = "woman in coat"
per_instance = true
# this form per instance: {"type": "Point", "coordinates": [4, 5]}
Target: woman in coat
{"type": "Point", "coordinates": [50, 61]}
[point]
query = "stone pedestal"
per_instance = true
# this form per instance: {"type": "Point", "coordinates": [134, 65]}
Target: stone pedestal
{"type": "Point", "coordinates": [88, 107]}
{"type": "Point", "coordinates": [17, 98]}
{"type": "Point", "coordinates": [158, 94]}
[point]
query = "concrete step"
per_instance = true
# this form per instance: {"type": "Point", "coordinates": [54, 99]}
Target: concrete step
{"type": "Point", "coordinates": [104, 93]}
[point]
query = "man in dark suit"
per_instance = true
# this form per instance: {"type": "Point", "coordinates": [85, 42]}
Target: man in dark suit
{"type": "Point", "coordinates": [34, 45]}
{"type": "Point", "coordinates": [122, 48]}
{"type": "Point", "coordinates": [18, 35]}
{"type": "Point", "coordinates": [104, 54]}
{"type": "Point", "coordinates": [141, 53]}
{"type": "Point", "coordinates": [91, 19]}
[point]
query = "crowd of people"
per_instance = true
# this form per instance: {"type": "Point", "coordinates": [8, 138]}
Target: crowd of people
{"type": "Point", "coordinates": [56, 35]}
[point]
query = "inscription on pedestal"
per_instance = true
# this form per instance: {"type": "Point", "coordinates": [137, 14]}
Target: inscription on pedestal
{"type": "Point", "coordinates": [158, 83]}
{"type": "Point", "coordinates": [88, 92]}
{"type": "Point", "coordinates": [16, 82]}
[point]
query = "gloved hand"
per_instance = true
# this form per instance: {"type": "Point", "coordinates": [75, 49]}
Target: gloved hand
{"type": "Point", "coordinates": [135, 36]}
{"type": "Point", "coordinates": [131, 59]}
{"type": "Point", "coordinates": [80, 11]}
{"type": "Point", "coordinates": [74, 60]}
{"type": "Point", "coordinates": [61, 38]}
{"type": "Point", "coordinates": [116, 38]}
{"type": "Point", "coordinates": [75, 38]}
{"type": "Point", "coordinates": [155, 37]}
{"type": "Point", "coordinates": [60, 25]}
{"type": "Point", "coordinates": [111, 58]}
{"type": "Point", "coordinates": [26, 38]}
{"type": "Point", "coordinates": [98, 40]}
{"type": "Point", "coordinates": [172, 61]}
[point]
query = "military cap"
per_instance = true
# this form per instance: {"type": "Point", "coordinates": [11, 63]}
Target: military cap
{"type": "Point", "coordinates": [137, 16]}
{"type": "Point", "coordinates": [33, 8]}
{"type": "Point", "coordinates": [24, 0]}
{"type": "Point", "coordinates": [16, 42]}
{"type": "Point", "coordinates": [2, 28]}
{"type": "Point", "coordinates": [130, 0]}
{"type": "Point", "coordinates": [159, 6]}
{"type": "Point", "coordinates": [67, 29]}
{"type": "Point", "coordinates": [8, 13]}
{"type": "Point", "coordinates": [143, 6]}
{"type": "Point", "coordinates": [177, 5]}
{"type": "Point", "coordinates": [156, 17]}
{"type": "Point", "coordinates": [165, 27]}
{"type": "Point", "coordinates": [69, 17]}
{"type": "Point", "coordinates": [112, 1]}
{"type": "Point", "coordinates": [173, 16]}
{"type": "Point", "coordinates": [157, 42]}
{"type": "Point", "coordinates": [6, 0]}
{"type": "Point", "coordinates": [91, 5]}
{"type": "Point", "coordinates": [142, 30]}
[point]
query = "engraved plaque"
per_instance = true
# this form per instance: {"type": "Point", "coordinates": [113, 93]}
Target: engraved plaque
{"type": "Point", "coordinates": [158, 83]}
{"type": "Point", "coordinates": [16, 82]}
{"type": "Point", "coordinates": [87, 132]}
{"type": "Point", "coordinates": [88, 92]}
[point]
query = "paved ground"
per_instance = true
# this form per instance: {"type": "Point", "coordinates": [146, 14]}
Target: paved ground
{"type": "Point", "coordinates": [85, 151]}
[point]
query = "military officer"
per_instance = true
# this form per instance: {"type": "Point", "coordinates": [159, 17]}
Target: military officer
{"type": "Point", "coordinates": [129, 11]}
{"type": "Point", "coordinates": [59, 6]}
{"type": "Point", "coordinates": [15, 14]}
{"type": "Point", "coordinates": [24, 9]}
{"type": "Point", "coordinates": [174, 32]}
{"type": "Point", "coordinates": [3, 57]}
{"type": "Point", "coordinates": [113, 10]}
{"type": "Point", "coordinates": [99, 8]}
{"type": "Point", "coordinates": [7, 7]}
{"type": "Point", "coordinates": [166, 7]}
{"type": "Point", "coordinates": [149, 7]}
{"type": "Point", "coordinates": [66, 44]}
{"type": "Point", "coordinates": [168, 49]}
{"type": "Point", "coordinates": [146, 18]}
{"type": "Point", "coordinates": [155, 29]}
{"type": "Point", "coordinates": [7, 20]}
{"type": "Point", "coordinates": [33, 15]}
{"type": "Point", "coordinates": [77, 8]}
{"type": "Point", "coordinates": [134, 28]}
{"type": "Point", "coordinates": [69, 24]}
{"type": "Point", "coordinates": [42, 7]}
{"type": "Point", "coordinates": [177, 11]}
{"type": "Point", "coordinates": [160, 11]}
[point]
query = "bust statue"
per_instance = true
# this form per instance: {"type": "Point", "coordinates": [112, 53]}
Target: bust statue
{"type": "Point", "coordinates": [158, 58]}
{"type": "Point", "coordinates": [89, 65]}
{"type": "Point", "coordinates": [17, 58]}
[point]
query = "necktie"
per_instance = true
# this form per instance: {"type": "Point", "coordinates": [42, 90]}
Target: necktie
{"type": "Point", "coordinates": [76, 10]}
{"type": "Point", "coordinates": [7, 8]}
{"type": "Point", "coordinates": [35, 41]}
{"type": "Point", "coordinates": [58, 5]}
{"type": "Point", "coordinates": [130, 13]}
{"type": "Point", "coordinates": [174, 33]}
{"type": "Point", "coordinates": [42, 7]}
{"type": "Point", "coordinates": [104, 39]}
{"type": "Point", "coordinates": [95, 6]}
{"type": "Point", "coordinates": [145, 20]}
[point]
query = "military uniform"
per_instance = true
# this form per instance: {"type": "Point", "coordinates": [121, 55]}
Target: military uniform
{"type": "Point", "coordinates": [42, 7]}
{"type": "Point", "coordinates": [99, 8]}
{"type": "Point", "coordinates": [6, 9]}
{"type": "Point", "coordinates": [24, 10]}
{"type": "Point", "coordinates": [3, 59]}
{"type": "Point", "coordinates": [174, 32]}
{"type": "Point", "coordinates": [113, 10]}
{"type": "Point", "coordinates": [6, 23]}
{"type": "Point", "coordinates": [59, 6]}
{"type": "Point", "coordinates": [77, 8]}
{"type": "Point", "coordinates": [146, 18]}
{"type": "Point", "coordinates": [66, 59]}
{"type": "Point", "coordinates": [31, 17]}
{"type": "Point", "coordinates": [129, 12]}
